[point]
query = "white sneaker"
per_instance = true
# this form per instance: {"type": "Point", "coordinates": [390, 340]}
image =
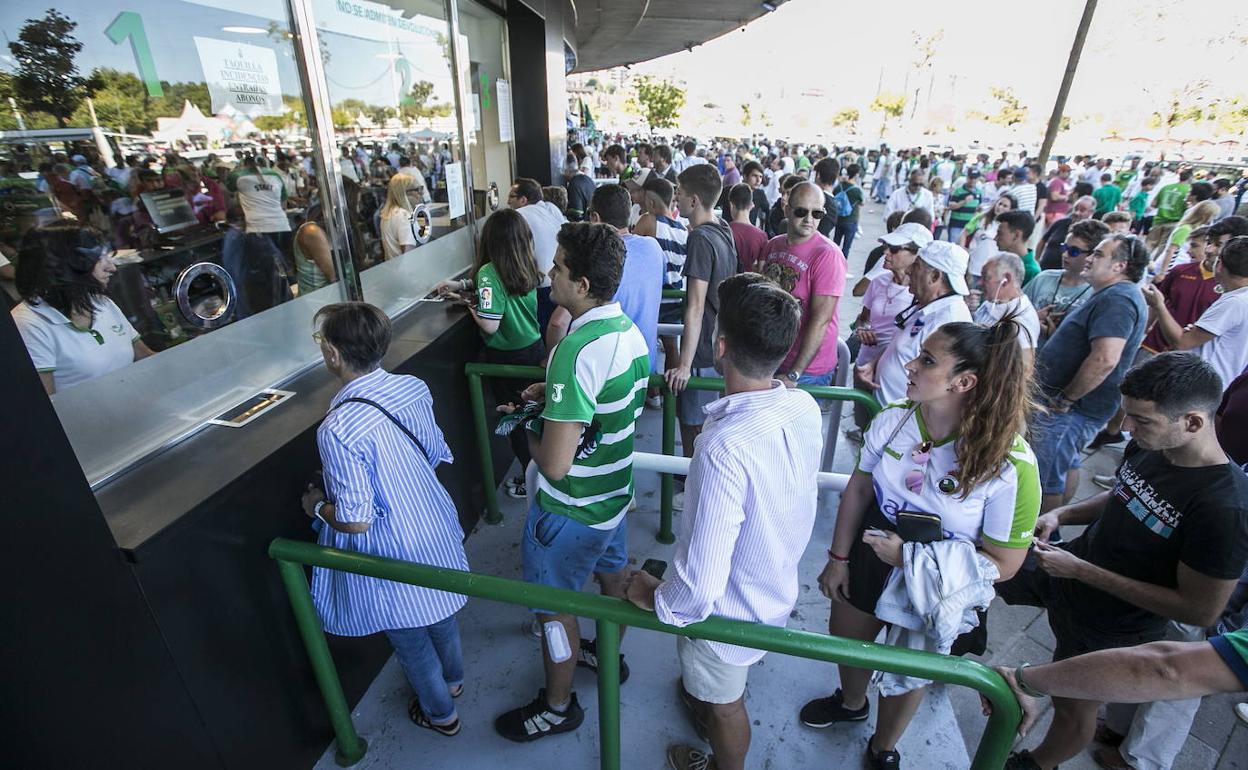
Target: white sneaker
{"type": "Point", "coordinates": [1241, 711]}
{"type": "Point", "coordinates": [1105, 482]}
{"type": "Point", "coordinates": [678, 501]}
{"type": "Point", "coordinates": [655, 402]}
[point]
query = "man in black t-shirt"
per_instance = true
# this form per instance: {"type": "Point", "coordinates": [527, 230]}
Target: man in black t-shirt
{"type": "Point", "coordinates": [1168, 542]}
{"type": "Point", "coordinates": [827, 172]}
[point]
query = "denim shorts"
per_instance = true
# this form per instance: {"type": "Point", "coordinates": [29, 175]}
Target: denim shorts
{"type": "Point", "coordinates": [1058, 441]}
{"type": "Point", "coordinates": [562, 553]}
{"type": "Point", "coordinates": [691, 404]}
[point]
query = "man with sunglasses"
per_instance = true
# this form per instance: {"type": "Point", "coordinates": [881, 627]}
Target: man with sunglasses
{"type": "Point", "coordinates": [1057, 292]}
{"type": "Point", "coordinates": [811, 268]}
{"type": "Point", "coordinates": [938, 283]}
{"type": "Point", "coordinates": [1052, 243]}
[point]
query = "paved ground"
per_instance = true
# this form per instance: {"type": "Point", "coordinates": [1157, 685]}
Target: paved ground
{"type": "Point", "coordinates": [504, 668]}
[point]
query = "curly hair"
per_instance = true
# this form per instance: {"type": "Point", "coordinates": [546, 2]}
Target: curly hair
{"type": "Point", "coordinates": [998, 407]}
{"type": "Point", "coordinates": [595, 253]}
{"type": "Point", "coordinates": [55, 264]}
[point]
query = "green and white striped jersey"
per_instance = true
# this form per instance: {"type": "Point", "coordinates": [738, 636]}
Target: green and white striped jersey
{"type": "Point", "coordinates": [597, 375]}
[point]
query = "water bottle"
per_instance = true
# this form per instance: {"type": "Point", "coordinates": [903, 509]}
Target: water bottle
{"type": "Point", "coordinates": [557, 641]}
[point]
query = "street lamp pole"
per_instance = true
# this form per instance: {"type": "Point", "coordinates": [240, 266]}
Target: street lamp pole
{"type": "Point", "coordinates": [1076, 49]}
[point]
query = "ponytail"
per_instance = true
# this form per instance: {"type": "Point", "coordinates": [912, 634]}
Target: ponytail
{"type": "Point", "coordinates": [998, 407]}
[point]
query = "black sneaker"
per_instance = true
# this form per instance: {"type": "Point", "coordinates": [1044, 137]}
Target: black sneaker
{"type": "Point", "coordinates": [588, 658]}
{"type": "Point", "coordinates": [822, 712]}
{"type": "Point", "coordinates": [538, 719]}
{"type": "Point", "coordinates": [516, 488]}
{"type": "Point", "coordinates": [1105, 439]}
{"type": "Point", "coordinates": [882, 760]}
{"type": "Point", "coordinates": [1021, 760]}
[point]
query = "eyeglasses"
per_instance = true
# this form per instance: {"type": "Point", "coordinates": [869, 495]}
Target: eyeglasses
{"type": "Point", "coordinates": [801, 213]}
{"type": "Point", "coordinates": [1074, 251]}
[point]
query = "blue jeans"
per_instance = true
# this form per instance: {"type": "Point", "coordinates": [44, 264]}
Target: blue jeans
{"type": "Point", "coordinates": [882, 189]}
{"type": "Point", "coordinates": [561, 553]}
{"type": "Point", "coordinates": [1057, 439]}
{"type": "Point", "coordinates": [843, 234]}
{"type": "Point", "coordinates": [816, 379]}
{"type": "Point", "coordinates": [433, 662]}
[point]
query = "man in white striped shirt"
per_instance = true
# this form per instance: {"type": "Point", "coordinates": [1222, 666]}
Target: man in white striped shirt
{"type": "Point", "coordinates": [752, 489]}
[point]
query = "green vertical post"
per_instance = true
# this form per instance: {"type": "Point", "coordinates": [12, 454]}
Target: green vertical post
{"type": "Point", "coordinates": [477, 396]}
{"type": "Point", "coordinates": [666, 480]}
{"type": "Point", "coordinates": [608, 694]}
{"type": "Point", "coordinates": [1000, 732]}
{"type": "Point", "coordinates": [351, 747]}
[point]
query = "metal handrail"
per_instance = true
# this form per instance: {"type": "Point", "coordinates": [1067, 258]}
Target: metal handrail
{"type": "Point", "coordinates": [476, 395]}
{"type": "Point", "coordinates": [609, 614]}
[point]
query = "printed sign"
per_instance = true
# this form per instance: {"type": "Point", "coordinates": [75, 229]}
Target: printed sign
{"type": "Point", "coordinates": [503, 90]}
{"type": "Point", "coordinates": [241, 76]}
{"type": "Point", "coordinates": [455, 189]}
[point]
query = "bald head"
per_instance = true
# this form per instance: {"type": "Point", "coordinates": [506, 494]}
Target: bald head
{"type": "Point", "coordinates": [806, 195]}
{"type": "Point", "coordinates": [803, 211]}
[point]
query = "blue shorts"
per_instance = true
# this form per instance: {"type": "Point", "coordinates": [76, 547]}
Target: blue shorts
{"type": "Point", "coordinates": [1058, 441]}
{"type": "Point", "coordinates": [562, 553]}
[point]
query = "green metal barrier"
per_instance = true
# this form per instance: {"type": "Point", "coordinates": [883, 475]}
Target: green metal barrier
{"type": "Point", "coordinates": [609, 614]}
{"type": "Point", "coordinates": [476, 394]}
{"type": "Point", "coordinates": [673, 294]}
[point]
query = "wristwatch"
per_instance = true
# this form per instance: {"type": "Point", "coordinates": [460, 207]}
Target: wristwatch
{"type": "Point", "coordinates": [793, 376]}
{"type": "Point", "coordinates": [1022, 685]}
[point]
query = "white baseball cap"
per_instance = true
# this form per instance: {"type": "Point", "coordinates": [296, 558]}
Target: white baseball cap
{"type": "Point", "coordinates": [910, 232]}
{"type": "Point", "coordinates": [950, 259]}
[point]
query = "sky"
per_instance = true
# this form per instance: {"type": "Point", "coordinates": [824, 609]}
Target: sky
{"type": "Point", "coordinates": [1137, 54]}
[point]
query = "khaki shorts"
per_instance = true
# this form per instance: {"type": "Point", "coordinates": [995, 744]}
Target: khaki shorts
{"type": "Point", "coordinates": [705, 676]}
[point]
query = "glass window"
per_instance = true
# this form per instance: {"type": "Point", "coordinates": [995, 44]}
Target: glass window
{"type": "Point", "coordinates": [166, 230]}
{"type": "Point", "coordinates": [490, 140]}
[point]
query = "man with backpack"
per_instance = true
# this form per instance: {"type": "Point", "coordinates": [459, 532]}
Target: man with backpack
{"type": "Point", "coordinates": [847, 199]}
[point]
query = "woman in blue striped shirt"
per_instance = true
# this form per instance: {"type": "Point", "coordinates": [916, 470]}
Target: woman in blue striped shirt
{"type": "Point", "coordinates": [379, 445]}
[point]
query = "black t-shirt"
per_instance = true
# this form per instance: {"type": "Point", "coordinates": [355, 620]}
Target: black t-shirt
{"type": "Point", "coordinates": [758, 214]}
{"type": "Point", "coordinates": [1042, 191]}
{"type": "Point", "coordinates": [1051, 258]}
{"type": "Point", "coordinates": [828, 223]}
{"type": "Point", "coordinates": [710, 255]}
{"type": "Point", "coordinates": [1158, 515]}
{"type": "Point", "coordinates": [580, 193]}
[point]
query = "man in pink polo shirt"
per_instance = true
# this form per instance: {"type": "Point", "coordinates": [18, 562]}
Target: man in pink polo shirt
{"type": "Point", "coordinates": [812, 269]}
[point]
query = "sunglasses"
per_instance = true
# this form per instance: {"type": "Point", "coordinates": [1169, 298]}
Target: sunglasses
{"type": "Point", "coordinates": [898, 249]}
{"type": "Point", "coordinates": [801, 213]}
{"type": "Point", "coordinates": [1074, 251]}
{"type": "Point", "coordinates": [903, 318]}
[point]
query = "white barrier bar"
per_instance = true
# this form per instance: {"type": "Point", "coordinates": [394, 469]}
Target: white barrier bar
{"type": "Point", "coordinates": [660, 463]}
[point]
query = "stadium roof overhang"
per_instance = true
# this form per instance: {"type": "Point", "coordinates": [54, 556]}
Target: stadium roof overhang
{"type": "Point", "coordinates": [612, 33]}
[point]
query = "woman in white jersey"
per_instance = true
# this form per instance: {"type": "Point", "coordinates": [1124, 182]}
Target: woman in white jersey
{"type": "Point", "coordinates": [402, 193]}
{"type": "Point", "coordinates": [954, 449]}
{"type": "Point", "coordinates": [72, 330]}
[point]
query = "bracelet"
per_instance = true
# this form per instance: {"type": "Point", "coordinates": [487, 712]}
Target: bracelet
{"type": "Point", "coordinates": [834, 557]}
{"type": "Point", "coordinates": [316, 510]}
{"type": "Point", "coordinates": [1022, 685]}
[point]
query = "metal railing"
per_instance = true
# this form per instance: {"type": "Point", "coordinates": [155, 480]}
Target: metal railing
{"type": "Point", "coordinates": [476, 372]}
{"type": "Point", "coordinates": [608, 615]}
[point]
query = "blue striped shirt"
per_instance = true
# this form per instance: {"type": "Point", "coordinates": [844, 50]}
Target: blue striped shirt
{"type": "Point", "coordinates": [672, 235]}
{"type": "Point", "coordinates": [375, 474]}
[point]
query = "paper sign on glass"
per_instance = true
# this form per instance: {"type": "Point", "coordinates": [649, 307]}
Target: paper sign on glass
{"type": "Point", "coordinates": [241, 76]}
{"type": "Point", "coordinates": [455, 189]}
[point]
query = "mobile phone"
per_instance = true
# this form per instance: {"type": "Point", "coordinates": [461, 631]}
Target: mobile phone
{"type": "Point", "coordinates": [655, 567]}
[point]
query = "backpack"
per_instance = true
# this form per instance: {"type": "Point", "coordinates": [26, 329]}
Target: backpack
{"type": "Point", "coordinates": [844, 207]}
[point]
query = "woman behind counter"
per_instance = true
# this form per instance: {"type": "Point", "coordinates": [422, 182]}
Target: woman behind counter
{"type": "Point", "coordinates": [953, 450]}
{"type": "Point", "coordinates": [402, 193]}
{"type": "Point", "coordinates": [503, 301]}
{"type": "Point", "coordinates": [73, 331]}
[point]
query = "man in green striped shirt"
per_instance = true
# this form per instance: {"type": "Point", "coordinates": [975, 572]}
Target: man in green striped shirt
{"type": "Point", "coordinates": [594, 391]}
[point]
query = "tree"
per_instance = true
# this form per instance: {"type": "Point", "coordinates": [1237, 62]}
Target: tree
{"type": "Point", "coordinates": [889, 106]}
{"type": "Point", "coordinates": [659, 102]}
{"type": "Point", "coordinates": [847, 117]}
{"type": "Point", "coordinates": [416, 104]}
{"type": "Point", "coordinates": [745, 115]}
{"type": "Point", "coordinates": [47, 78]}
{"type": "Point", "coordinates": [1012, 110]}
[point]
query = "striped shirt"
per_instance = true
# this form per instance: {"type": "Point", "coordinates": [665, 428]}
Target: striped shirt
{"type": "Point", "coordinates": [597, 376]}
{"type": "Point", "coordinates": [672, 234]}
{"type": "Point", "coordinates": [749, 510]}
{"type": "Point", "coordinates": [375, 474]}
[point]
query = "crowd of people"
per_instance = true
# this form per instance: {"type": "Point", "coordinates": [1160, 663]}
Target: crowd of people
{"type": "Point", "coordinates": [995, 371]}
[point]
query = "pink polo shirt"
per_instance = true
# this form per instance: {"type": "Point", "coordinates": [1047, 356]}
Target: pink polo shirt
{"type": "Point", "coordinates": [816, 267]}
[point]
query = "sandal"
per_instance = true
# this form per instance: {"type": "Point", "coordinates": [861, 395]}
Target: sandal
{"type": "Point", "coordinates": [418, 717]}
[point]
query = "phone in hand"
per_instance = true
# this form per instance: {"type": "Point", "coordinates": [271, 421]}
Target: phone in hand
{"type": "Point", "coordinates": [654, 567]}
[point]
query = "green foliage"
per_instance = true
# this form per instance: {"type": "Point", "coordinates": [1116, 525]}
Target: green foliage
{"type": "Point", "coordinates": [416, 106]}
{"type": "Point", "coordinates": [659, 102]}
{"type": "Point", "coordinates": [47, 79]}
{"type": "Point", "coordinates": [1012, 111]}
{"type": "Point", "coordinates": [889, 105]}
{"type": "Point", "coordinates": [745, 115]}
